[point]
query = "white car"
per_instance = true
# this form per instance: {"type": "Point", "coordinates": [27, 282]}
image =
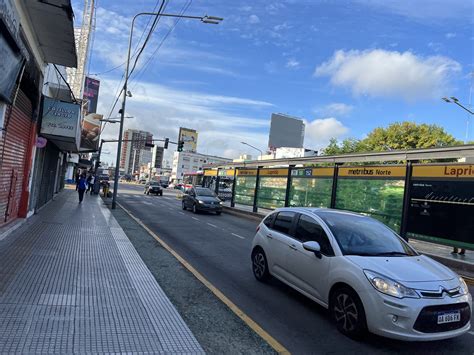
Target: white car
{"type": "Point", "coordinates": [368, 277]}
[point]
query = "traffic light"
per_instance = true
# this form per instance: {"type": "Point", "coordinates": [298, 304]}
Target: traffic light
{"type": "Point", "coordinates": [166, 143]}
{"type": "Point", "coordinates": [180, 146]}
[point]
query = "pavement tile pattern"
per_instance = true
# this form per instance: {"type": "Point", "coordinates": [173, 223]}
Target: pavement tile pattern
{"type": "Point", "coordinates": [71, 282]}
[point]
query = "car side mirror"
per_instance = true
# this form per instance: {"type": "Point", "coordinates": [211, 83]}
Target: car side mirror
{"type": "Point", "coordinates": [313, 247]}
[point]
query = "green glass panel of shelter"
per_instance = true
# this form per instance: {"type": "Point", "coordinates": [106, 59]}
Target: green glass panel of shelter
{"type": "Point", "coordinates": [271, 192]}
{"type": "Point", "coordinates": [245, 190]}
{"type": "Point", "coordinates": [380, 199]}
{"type": "Point", "coordinates": [310, 192]}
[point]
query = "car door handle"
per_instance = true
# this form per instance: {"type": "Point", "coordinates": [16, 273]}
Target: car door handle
{"type": "Point", "coordinates": [269, 236]}
{"type": "Point", "coordinates": [292, 246]}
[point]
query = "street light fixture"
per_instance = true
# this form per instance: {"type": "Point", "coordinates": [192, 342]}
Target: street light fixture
{"type": "Point", "coordinates": [454, 100]}
{"type": "Point", "coordinates": [203, 19]}
{"type": "Point", "coordinates": [261, 153]}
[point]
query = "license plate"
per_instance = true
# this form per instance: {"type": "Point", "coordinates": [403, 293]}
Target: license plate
{"type": "Point", "coordinates": [449, 317]}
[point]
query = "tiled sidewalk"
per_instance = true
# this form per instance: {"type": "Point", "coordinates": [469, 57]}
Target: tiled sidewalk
{"type": "Point", "coordinates": [71, 282]}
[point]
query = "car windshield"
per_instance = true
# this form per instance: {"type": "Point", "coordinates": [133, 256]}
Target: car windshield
{"type": "Point", "coordinates": [153, 184]}
{"type": "Point", "coordinates": [360, 235]}
{"type": "Point", "coordinates": [205, 192]}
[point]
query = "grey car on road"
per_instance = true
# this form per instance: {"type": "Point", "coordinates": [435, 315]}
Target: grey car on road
{"type": "Point", "coordinates": [201, 199]}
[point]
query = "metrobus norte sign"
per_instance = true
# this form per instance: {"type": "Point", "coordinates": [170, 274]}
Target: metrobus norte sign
{"type": "Point", "coordinates": [458, 171]}
{"type": "Point", "coordinates": [373, 172]}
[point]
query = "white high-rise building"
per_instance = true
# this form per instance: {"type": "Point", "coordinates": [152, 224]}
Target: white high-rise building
{"type": "Point", "coordinates": [189, 162]}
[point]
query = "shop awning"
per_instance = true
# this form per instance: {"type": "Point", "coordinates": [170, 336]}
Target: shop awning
{"type": "Point", "coordinates": [52, 22]}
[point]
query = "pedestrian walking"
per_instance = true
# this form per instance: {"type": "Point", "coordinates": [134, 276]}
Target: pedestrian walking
{"type": "Point", "coordinates": [455, 251]}
{"type": "Point", "coordinates": [81, 188]}
{"type": "Point", "coordinates": [91, 185]}
{"type": "Point", "coordinates": [77, 179]}
{"type": "Point", "coordinates": [89, 178]}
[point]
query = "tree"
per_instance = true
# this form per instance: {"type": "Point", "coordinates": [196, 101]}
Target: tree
{"type": "Point", "coordinates": [399, 135]}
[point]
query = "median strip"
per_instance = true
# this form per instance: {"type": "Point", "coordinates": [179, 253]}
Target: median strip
{"type": "Point", "coordinates": [234, 308]}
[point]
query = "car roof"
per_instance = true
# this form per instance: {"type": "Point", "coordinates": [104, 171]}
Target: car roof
{"type": "Point", "coordinates": [319, 211]}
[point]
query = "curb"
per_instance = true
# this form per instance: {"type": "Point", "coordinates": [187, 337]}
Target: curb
{"type": "Point", "coordinates": [247, 214]}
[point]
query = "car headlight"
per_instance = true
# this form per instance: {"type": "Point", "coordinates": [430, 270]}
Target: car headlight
{"type": "Point", "coordinates": [463, 289]}
{"type": "Point", "coordinates": [388, 286]}
{"type": "Point", "coordinates": [221, 203]}
{"type": "Point", "coordinates": [201, 202]}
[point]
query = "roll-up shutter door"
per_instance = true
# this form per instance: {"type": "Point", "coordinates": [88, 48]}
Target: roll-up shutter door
{"type": "Point", "coordinates": [14, 146]}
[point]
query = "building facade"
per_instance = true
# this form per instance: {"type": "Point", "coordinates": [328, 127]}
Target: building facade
{"type": "Point", "coordinates": [157, 156]}
{"type": "Point", "coordinates": [134, 143]}
{"type": "Point", "coordinates": [31, 166]}
{"type": "Point", "coordinates": [189, 162]}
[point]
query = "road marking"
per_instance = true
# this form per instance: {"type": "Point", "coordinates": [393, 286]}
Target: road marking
{"type": "Point", "coordinates": [238, 312]}
{"type": "Point", "coordinates": [148, 203]}
{"type": "Point", "coordinates": [212, 225]}
{"type": "Point", "coordinates": [238, 236]}
{"type": "Point", "coordinates": [196, 219]}
{"type": "Point", "coordinates": [181, 212]}
{"type": "Point", "coordinates": [172, 209]}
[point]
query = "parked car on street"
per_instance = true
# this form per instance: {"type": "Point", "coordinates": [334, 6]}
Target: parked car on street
{"type": "Point", "coordinates": [368, 277]}
{"type": "Point", "coordinates": [201, 199]}
{"type": "Point", "coordinates": [153, 188]}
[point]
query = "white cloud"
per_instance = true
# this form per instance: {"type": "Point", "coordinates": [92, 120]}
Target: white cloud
{"type": "Point", "coordinates": [292, 63]}
{"type": "Point", "coordinates": [253, 19]}
{"type": "Point", "coordinates": [319, 131]}
{"type": "Point", "coordinates": [381, 73]}
{"type": "Point", "coordinates": [450, 35]}
{"type": "Point", "coordinates": [270, 67]}
{"type": "Point", "coordinates": [335, 109]}
{"type": "Point", "coordinates": [162, 110]}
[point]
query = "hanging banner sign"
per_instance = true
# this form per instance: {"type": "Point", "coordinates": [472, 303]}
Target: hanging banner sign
{"type": "Point", "coordinates": [457, 171]}
{"type": "Point", "coordinates": [274, 172]}
{"type": "Point", "coordinates": [60, 118]}
{"type": "Point", "coordinates": [376, 172]}
{"type": "Point", "coordinates": [313, 172]}
{"type": "Point", "coordinates": [210, 172]}
{"type": "Point", "coordinates": [247, 172]}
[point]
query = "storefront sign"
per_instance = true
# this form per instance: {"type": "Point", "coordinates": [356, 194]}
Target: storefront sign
{"type": "Point", "coordinates": [274, 172]}
{"type": "Point", "coordinates": [60, 118]}
{"type": "Point", "coordinates": [373, 172]}
{"type": "Point", "coordinates": [457, 171]}
{"type": "Point", "coordinates": [10, 65]}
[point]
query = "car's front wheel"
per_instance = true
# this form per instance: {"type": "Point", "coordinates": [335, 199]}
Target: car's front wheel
{"type": "Point", "coordinates": [348, 313]}
{"type": "Point", "coordinates": [195, 209]}
{"type": "Point", "coordinates": [260, 265]}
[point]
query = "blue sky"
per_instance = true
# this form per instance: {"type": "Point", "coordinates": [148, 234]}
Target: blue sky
{"type": "Point", "coordinates": [345, 67]}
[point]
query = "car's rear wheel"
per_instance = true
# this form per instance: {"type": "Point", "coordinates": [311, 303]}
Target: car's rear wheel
{"type": "Point", "coordinates": [348, 313]}
{"type": "Point", "coordinates": [260, 265]}
{"type": "Point", "coordinates": [218, 213]}
{"type": "Point", "coordinates": [195, 209]}
{"type": "Point", "coordinates": [183, 205]}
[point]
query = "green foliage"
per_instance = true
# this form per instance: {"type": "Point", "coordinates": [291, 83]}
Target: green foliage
{"type": "Point", "coordinates": [397, 136]}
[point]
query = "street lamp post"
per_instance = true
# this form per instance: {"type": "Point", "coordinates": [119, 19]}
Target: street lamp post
{"type": "Point", "coordinates": [453, 100]}
{"type": "Point", "coordinates": [204, 19]}
{"type": "Point", "coordinates": [261, 153]}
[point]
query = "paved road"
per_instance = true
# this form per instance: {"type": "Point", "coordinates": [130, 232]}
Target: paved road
{"type": "Point", "coordinates": [219, 248]}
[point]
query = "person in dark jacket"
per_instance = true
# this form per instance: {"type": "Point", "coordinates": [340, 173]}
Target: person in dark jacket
{"type": "Point", "coordinates": [81, 187]}
{"type": "Point", "coordinates": [78, 176]}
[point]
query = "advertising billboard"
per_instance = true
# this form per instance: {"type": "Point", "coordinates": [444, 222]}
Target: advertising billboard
{"type": "Point", "coordinates": [91, 94]}
{"type": "Point", "coordinates": [91, 124]}
{"type": "Point", "coordinates": [286, 131]}
{"type": "Point", "coordinates": [442, 203]}
{"type": "Point", "coordinates": [189, 137]}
